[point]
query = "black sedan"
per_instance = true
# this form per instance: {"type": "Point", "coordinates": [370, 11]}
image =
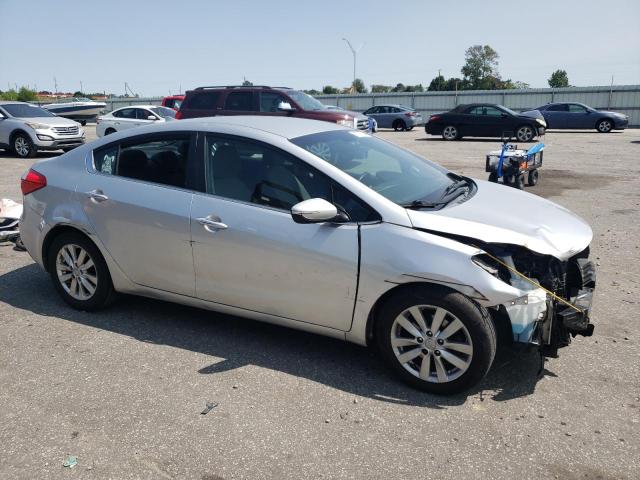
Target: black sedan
{"type": "Point", "coordinates": [486, 120]}
{"type": "Point", "coordinates": [581, 116]}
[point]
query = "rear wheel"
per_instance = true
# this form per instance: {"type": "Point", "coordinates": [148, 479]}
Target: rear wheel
{"type": "Point", "coordinates": [436, 339]}
{"type": "Point", "coordinates": [23, 146]}
{"type": "Point", "coordinates": [519, 182]}
{"type": "Point", "coordinates": [532, 179]}
{"type": "Point", "coordinates": [450, 133]}
{"type": "Point", "coordinates": [79, 273]}
{"type": "Point", "coordinates": [525, 133]}
{"type": "Point", "coordinates": [399, 126]}
{"type": "Point", "coordinates": [493, 177]}
{"type": "Point", "coordinates": [604, 126]}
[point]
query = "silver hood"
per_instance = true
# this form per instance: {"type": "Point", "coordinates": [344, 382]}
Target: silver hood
{"type": "Point", "coordinates": [500, 214]}
{"type": "Point", "coordinates": [55, 121]}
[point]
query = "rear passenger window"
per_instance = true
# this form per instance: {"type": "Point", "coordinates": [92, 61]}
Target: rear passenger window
{"type": "Point", "coordinates": [203, 101]}
{"type": "Point", "coordinates": [162, 160]}
{"type": "Point", "coordinates": [240, 101]}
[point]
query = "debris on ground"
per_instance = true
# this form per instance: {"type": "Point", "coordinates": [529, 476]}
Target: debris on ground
{"type": "Point", "coordinates": [70, 462]}
{"type": "Point", "coordinates": [210, 406]}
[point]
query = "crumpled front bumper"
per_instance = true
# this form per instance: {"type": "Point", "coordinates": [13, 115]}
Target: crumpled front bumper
{"type": "Point", "coordinates": [543, 320]}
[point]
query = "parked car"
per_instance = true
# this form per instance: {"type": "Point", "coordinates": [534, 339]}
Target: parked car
{"type": "Point", "coordinates": [265, 101]}
{"type": "Point", "coordinates": [129, 117]}
{"type": "Point", "coordinates": [27, 128]}
{"type": "Point", "coordinates": [580, 116]}
{"type": "Point", "coordinates": [398, 117]}
{"type": "Point", "coordinates": [486, 120]}
{"type": "Point", "coordinates": [173, 101]}
{"type": "Point", "coordinates": [317, 227]}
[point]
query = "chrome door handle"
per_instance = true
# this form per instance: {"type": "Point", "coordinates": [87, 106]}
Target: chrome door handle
{"type": "Point", "coordinates": [208, 223]}
{"type": "Point", "coordinates": [97, 196]}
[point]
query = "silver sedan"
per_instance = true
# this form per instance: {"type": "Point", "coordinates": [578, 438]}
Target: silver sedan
{"type": "Point", "coordinates": [317, 227]}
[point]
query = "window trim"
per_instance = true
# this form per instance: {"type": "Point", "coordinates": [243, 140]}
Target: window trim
{"type": "Point", "coordinates": [192, 159]}
{"type": "Point", "coordinates": [332, 181]}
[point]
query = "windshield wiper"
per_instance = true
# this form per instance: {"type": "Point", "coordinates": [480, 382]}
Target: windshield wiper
{"type": "Point", "coordinates": [418, 204]}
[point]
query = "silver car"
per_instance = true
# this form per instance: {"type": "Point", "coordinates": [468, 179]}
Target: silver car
{"type": "Point", "coordinates": [130, 117]}
{"type": "Point", "coordinates": [317, 227]}
{"type": "Point", "coordinates": [27, 128]}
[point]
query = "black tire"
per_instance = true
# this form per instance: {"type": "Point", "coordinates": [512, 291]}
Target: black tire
{"type": "Point", "coordinates": [83, 123]}
{"type": "Point", "coordinates": [526, 133]}
{"type": "Point", "coordinates": [104, 293]}
{"type": "Point", "coordinates": [604, 126]}
{"type": "Point", "coordinates": [532, 179]}
{"type": "Point", "coordinates": [109, 131]}
{"type": "Point", "coordinates": [493, 177]}
{"type": "Point", "coordinates": [22, 146]}
{"type": "Point", "coordinates": [518, 182]}
{"type": "Point", "coordinates": [450, 133]}
{"type": "Point", "coordinates": [399, 125]}
{"type": "Point", "coordinates": [475, 319]}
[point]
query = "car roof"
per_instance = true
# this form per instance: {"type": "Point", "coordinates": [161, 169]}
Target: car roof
{"type": "Point", "coordinates": [14, 102]}
{"type": "Point", "coordinates": [286, 127]}
{"type": "Point", "coordinates": [138, 106]}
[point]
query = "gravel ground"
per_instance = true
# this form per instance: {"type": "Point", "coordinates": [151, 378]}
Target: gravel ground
{"type": "Point", "coordinates": [122, 390]}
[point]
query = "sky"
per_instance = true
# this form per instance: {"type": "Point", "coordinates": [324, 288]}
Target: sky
{"type": "Point", "coordinates": [160, 47]}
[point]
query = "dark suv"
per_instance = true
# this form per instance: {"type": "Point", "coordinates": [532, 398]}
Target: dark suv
{"type": "Point", "coordinates": [262, 100]}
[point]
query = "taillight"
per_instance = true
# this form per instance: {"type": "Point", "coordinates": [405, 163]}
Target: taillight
{"type": "Point", "coordinates": [410, 114]}
{"type": "Point", "coordinates": [433, 118]}
{"type": "Point", "coordinates": [178, 115]}
{"type": "Point", "coordinates": [32, 181]}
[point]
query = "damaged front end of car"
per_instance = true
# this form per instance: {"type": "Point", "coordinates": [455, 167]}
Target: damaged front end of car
{"type": "Point", "coordinates": [557, 303]}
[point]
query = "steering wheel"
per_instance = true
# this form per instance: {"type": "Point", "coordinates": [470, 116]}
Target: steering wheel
{"type": "Point", "coordinates": [365, 176]}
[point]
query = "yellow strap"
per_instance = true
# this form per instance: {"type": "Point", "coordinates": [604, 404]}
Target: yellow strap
{"type": "Point", "coordinates": [511, 269]}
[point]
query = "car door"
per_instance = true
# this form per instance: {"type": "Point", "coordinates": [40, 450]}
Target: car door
{"type": "Point", "coordinates": [578, 116]}
{"type": "Point", "coordinates": [142, 115]}
{"type": "Point", "coordinates": [249, 253]}
{"type": "Point", "coordinates": [269, 102]}
{"type": "Point", "coordinates": [474, 122]}
{"type": "Point", "coordinates": [374, 112]}
{"type": "Point", "coordinates": [125, 118]}
{"type": "Point", "coordinates": [556, 115]}
{"type": "Point", "coordinates": [500, 123]}
{"type": "Point", "coordinates": [386, 116]}
{"type": "Point", "coordinates": [137, 197]}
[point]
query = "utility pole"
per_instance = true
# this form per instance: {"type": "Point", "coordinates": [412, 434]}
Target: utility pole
{"type": "Point", "coordinates": [55, 89]}
{"type": "Point", "coordinates": [354, 51]}
{"type": "Point", "coordinates": [81, 87]}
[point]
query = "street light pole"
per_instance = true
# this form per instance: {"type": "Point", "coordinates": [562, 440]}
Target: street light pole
{"type": "Point", "coordinates": [354, 51]}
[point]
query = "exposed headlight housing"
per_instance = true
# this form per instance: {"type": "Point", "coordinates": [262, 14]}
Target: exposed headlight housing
{"type": "Point", "coordinates": [541, 122]}
{"type": "Point", "coordinates": [37, 126]}
{"type": "Point", "coordinates": [487, 264]}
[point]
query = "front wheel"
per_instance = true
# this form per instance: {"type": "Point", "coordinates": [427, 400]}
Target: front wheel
{"type": "Point", "coordinates": [436, 339]}
{"type": "Point", "coordinates": [23, 146]}
{"type": "Point", "coordinates": [604, 126]}
{"type": "Point", "coordinates": [525, 133]}
{"type": "Point", "coordinates": [79, 273]}
{"type": "Point", "coordinates": [518, 182]}
{"type": "Point", "coordinates": [532, 179]}
{"type": "Point", "coordinates": [450, 133]}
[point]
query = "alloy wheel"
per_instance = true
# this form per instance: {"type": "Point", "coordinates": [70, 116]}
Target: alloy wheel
{"type": "Point", "coordinates": [604, 126]}
{"type": "Point", "coordinates": [525, 134]}
{"type": "Point", "coordinates": [21, 146]}
{"type": "Point", "coordinates": [450, 133]}
{"type": "Point", "coordinates": [76, 272]}
{"type": "Point", "coordinates": [431, 343]}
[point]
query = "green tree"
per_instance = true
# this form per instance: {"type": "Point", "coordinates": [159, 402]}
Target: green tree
{"type": "Point", "coordinates": [481, 62]}
{"type": "Point", "coordinates": [329, 90]}
{"type": "Point", "coordinates": [79, 94]}
{"type": "Point", "coordinates": [247, 83]}
{"type": "Point", "coordinates": [27, 95]}
{"type": "Point", "coordinates": [398, 88]}
{"type": "Point", "coordinates": [438, 84]}
{"type": "Point", "coordinates": [358, 86]}
{"type": "Point", "coordinates": [558, 79]}
{"type": "Point", "coordinates": [380, 89]}
{"type": "Point", "coordinates": [312, 92]}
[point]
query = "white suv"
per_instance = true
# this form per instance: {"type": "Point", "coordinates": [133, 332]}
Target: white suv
{"type": "Point", "coordinates": [27, 128]}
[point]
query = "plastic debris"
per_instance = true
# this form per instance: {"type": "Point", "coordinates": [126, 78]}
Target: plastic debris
{"type": "Point", "coordinates": [210, 406]}
{"type": "Point", "coordinates": [70, 462]}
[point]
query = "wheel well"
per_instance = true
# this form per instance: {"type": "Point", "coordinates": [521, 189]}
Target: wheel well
{"type": "Point", "coordinates": [16, 132]}
{"type": "Point", "coordinates": [397, 290]}
{"type": "Point", "coordinates": [601, 119]}
{"type": "Point", "coordinates": [110, 129]}
{"type": "Point", "coordinates": [51, 236]}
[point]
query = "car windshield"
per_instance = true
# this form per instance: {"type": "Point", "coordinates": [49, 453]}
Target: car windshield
{"type": "Point", "coordinates": [164, 112]}
{"type": "Point", "coordinates": [400, 176]}
{"type": "Point", "coordinates": [307, 102]}
{"type": "Point", "coordinates": [25, 110]}
{"type": "Point", "coordinates": [508, 110]}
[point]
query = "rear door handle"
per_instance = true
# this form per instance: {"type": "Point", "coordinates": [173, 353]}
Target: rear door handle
{"type": "Point", "coordinates": [97, 196]}
{"type": "Point", "coordinates": [210, 224]}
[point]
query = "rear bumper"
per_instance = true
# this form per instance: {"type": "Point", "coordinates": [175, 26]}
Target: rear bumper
{"type": "Point", "coordinates": [432, 128]}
